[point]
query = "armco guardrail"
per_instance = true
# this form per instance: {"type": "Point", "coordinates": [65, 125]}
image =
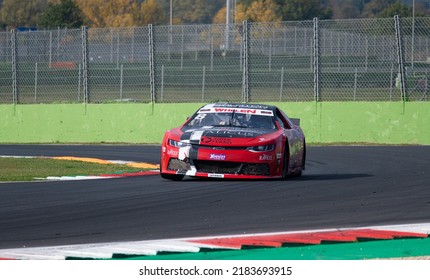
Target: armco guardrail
{"type": "Point", "coordinates": [323, 122]}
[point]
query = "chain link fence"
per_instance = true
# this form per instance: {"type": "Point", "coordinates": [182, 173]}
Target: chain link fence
{"type": "Point", "coordinates": [321, 60]}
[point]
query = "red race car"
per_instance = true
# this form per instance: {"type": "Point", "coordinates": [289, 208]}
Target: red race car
{"type": "Point", "coordinates": [234, 141]}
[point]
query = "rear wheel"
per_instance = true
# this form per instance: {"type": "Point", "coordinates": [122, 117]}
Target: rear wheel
{"type": "Point", "coordinates": [298, 173]}
{"type": "Point", "coordinates": [286, 159]}
{"type": "Point", "coordinates": [304, 157]}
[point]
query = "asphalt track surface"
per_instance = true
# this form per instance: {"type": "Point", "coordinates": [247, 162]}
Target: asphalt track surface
{"type": "Point", "coordinates": [350, 186]}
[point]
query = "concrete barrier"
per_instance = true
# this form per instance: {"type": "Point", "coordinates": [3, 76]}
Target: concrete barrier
{"type": "Point", "coordinates": [324, 122]}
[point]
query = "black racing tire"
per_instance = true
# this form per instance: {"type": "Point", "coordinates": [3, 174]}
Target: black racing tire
{"type": "Point", "coordinates": [304, 156]}
{"type": "Point", "coordinates": [299, 172]}
{"type": "Point", "coordinates": [286, 159]}
{"type": "Point", "coordinates": [173, 177]}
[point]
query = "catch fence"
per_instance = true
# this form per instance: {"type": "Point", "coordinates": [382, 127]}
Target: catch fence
{"type": "Point", "coordinates": [318, 60]}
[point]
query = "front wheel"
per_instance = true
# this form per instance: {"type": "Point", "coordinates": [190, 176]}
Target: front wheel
{"type": "Point", "coordinates": [174, 177]}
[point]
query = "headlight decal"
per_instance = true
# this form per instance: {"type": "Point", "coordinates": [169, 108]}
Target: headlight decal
{"type": "Point", "coordinates": [262, 148]}
{"type": "Point", "coordinates": [178, 144]}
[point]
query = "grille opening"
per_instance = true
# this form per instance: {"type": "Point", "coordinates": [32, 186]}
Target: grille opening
{"type": "Point", "coordinates": [178, 165]}
{"type": "Point", "coordinates": [227, 167]}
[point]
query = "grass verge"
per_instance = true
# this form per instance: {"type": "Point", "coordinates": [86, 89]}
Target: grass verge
{"type": "Point", "coordinates": [29, 169]}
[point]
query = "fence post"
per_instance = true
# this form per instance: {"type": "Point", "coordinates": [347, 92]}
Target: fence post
{"type": "Point", "coordinates": [355, 83]}
{"type": "Point", "coordinates": [15, 95]}
{"type": "Point", "coordinates": [117, 50]}
{"type": "Point", "coordinates": [121, 81]}
{"type": "Point", "coordinates": [270, 53]}
{"type": "Point", "coordinates": [162, 83]}
{"type": "Point", "coordinates": [152, 64]}
{"type": "Point", "coordinates": [316, 61]}
{"type": "Point", "coordinates": [111, 45]}
{"type": "Point", "coordinates": [400, 58]}
{"type": "Point", "coordinates": [203, 83]}
{"type": "Point", "coordinates": [79, 81]}
{"type": "Point", "coordinates": [246, 89]}
{"type": "Point", "coordinates": [50, 48]}
{"type": "Point", "coordinates": [35, 82]}
{"type": "Point", "coordinates": [182, 47]}
{"type": "Point", "coordinates": [212, 52]}
{"type": "Point", "coordinates": [85, 90]}
{"type": "Point", "coordinates": [281, 90]}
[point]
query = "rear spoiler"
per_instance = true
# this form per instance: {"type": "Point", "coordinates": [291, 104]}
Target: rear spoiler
{"type": "Point", "coordinates": [295, 121]}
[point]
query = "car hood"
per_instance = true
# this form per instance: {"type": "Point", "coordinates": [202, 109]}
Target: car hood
{"type": "Point", "coordinates": [225, 135]}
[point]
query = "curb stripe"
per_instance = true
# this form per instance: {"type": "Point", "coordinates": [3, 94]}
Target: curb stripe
{"type": "Point", "coordinates": [103, 176]}
{"type": "Point", "coordinates": [102, 161]}
{"type": "Point", "coordinates": [93, 160]}
{"type": "Point", "coordinates": [195, 245]}
{"type": "Point", "coordinates": [309, 238]}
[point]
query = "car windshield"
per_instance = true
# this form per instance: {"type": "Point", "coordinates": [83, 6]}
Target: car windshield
{"type": "Point", "coordinates": [232, 118]}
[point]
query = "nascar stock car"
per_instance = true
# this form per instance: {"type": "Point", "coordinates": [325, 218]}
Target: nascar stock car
{"type": "Point", "coordinates": [234, 140]}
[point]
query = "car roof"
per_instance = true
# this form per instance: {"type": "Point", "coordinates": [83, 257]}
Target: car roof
{"type": "Point", "coordinates": [241, 106]}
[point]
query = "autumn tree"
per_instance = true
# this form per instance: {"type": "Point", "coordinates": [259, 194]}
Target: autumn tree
{"type": "Point", "coordinates": [263, 11]}
{"type": "Point", "coordinates": [258, 11]}
{"type": "Point", "coordinates": [108, 13]}
{"type": "Point", "coordinates": [63, 14]}
{"type": "Point", "coordinates": [150, 12]}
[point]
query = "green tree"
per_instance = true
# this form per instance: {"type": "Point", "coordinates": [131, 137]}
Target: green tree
{"type": "Point", "coordinates": [396, 9]}
{"type": "Point", "coordinates": [304, 10]}
{"type": "Point", "coordinates": [64, 14]}
{"type": "Point", "coordinates": [374, 7]}
{"type": "Point", "coordinates": [343, 9]}
{"type": "Point", "coordinates": [195, 11]}
{"type": "Point", "coordinates": [15, 13]}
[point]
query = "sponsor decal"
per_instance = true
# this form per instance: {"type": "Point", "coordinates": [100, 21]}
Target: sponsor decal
{"type": "Point", "coordinates": [173, 153]}
{"type": "Point", "coordinates": [266, 157]}
{"type": "Point", "coordinates": [270, 113]}
{"type": "Point", "coordinates": [252, 111]}
{"type": "Point", "coordinates": [251, 106]}
{"type": "Point", "coordinates": [215, 140]}
{"type": "Point", "coordinates": [217, 157]}
{"type": "Point", "coordinates": [231, 110]}
{"type": "Point", "coordinates": [215, 175]}
{"type": "Point", "coordinates": [226, 132]}
{"type": "Point", "coordinates": [278, 155]}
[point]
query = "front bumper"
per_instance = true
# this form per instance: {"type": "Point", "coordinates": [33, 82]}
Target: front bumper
{"type": "Point", "coordinates": [215, 163]}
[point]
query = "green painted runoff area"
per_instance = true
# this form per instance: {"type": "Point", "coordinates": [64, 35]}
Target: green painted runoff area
{"type": "Point", "coordinates": [397, 248]}
{"type": "Point", "coordinates": [322, 122]}
{"type": "Point", "coordinates": [145, 123]}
